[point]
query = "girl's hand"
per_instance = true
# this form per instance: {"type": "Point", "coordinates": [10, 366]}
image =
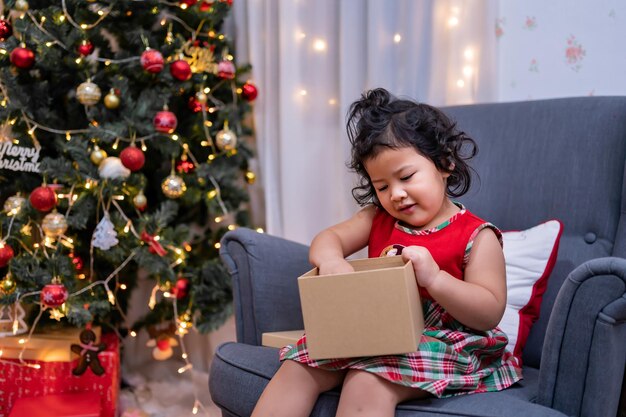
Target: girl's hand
{"type": "Point", "coordinates": [425, 267]}
{"type": "Point", "coordinates": [335, 266]}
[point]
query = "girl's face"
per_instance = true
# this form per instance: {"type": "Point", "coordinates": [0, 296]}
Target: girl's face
{"type": "Point", "coordinates": [410, 187]}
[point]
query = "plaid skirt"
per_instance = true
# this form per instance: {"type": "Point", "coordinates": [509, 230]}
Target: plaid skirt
{"type": "Point", "coordinates": [451, 359]}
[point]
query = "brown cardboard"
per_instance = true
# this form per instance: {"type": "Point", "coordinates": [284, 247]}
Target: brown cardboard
{"type": "Point", "coordinates": [373, 311]}
{"type": "Point", "coordinates": [281, 339]}
{"type": "Point", "coordinates": [52, 345]}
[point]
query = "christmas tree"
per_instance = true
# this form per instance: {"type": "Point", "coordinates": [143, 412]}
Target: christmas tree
{"type": "Point", "coordinates": [122, 149]}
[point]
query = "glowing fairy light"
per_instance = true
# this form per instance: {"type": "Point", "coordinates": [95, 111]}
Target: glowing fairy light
{"type": "Point", "coordinates": [319, 45]}
{"type": "Point", "coordinates": [184, 368]}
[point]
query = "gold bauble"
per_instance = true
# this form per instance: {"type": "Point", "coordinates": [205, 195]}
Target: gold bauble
{"type": "Point", "coordinates": [250, 177]}
{"type": "Point", "coordinates": [8, 285]}
{"type": "Point", "coordinates": [173, 186]}
{"type": "Point", "coordinates": [201, 97]}
{"type": "Point", "coordinates": [226, 139]}
{"type": "Point", "coordinates": [54, 224]}
{"type": "Point", "coordinates": [21, 5]}
{"type": "Point", "coordinates": [112, 100]}
{"type": "Point", "coordinates": [14, 204]}
{"type": "Point", "coordinates": [88, 93]}
{"type": "Point", "coordinates": [97, 155]}
{"type": "Point", "coordinates": [140, 201]}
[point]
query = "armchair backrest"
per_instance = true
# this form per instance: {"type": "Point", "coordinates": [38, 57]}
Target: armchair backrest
{"type": "Point", "coordinates": [546, 159]}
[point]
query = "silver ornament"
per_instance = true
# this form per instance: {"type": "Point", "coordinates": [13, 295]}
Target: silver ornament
{"type": "Point", "coordinates": [173, 186]}
{"type": "Point", "coordinates": [14, 204]}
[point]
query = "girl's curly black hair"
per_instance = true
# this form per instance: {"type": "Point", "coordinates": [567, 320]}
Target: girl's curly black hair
{"type": "Point", "coordinates": [378, 120]}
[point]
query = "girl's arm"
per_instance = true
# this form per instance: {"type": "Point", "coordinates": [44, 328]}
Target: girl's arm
{"type": "Point", "coordinates": [480, 299]}
{"type": "Point", "coordinates": [331, 246]}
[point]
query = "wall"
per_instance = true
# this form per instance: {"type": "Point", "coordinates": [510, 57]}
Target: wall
{"type": "Point", "coordinates": [561, 48]}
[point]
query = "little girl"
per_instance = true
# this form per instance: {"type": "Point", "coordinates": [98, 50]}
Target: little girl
{"type": "Point", "coordinates": [411, 159]}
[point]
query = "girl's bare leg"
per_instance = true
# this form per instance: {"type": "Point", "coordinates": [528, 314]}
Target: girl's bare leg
{"type": "Point", "coordinates": [294, 389]}
{"type": "Point", "coordinates": [366, 395]}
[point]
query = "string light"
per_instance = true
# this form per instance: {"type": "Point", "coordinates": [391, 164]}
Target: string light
{"type": "Point", "coordinates": [319, 45]}
{"type": "Point", "coordinates": [397, 38]}
{"type": "Point", "coordinates": [185, 368]}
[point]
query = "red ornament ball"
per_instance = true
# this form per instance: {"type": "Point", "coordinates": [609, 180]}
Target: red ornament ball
{"type": "Point", "coordinates": [180, 70]}
{"type": "Point", "coordinates": [6, 29]}
{"type": "Point", "coordinates": [249, 91]}
{"type": "Point", "coordinates": [22, 57]}
{"type": "Point", "coordinates": [187, 3]}
{"type": "Point", "coordinates": [206, 6]}
{"type": "Point", "coordinates": [53, 295]}
{"type": "Point", "coordinates": [132, 158]}
{"type": "Point", "coordinates": [195, 105]}
{"type": "Point", "coordinates": [6, 254]}
{"type": "Point", "coordinates": [165, 121]}
{"type": "Point", "coordinates": [181, 288]}
{"type": "Point", "coordinates": [152, 61]}
{"type": "Point", "coordinates": [85, 48]}
{"type": "Point", "coordinates": [226, 70]}
{"type": "Point", "coordinates": [43, 198]}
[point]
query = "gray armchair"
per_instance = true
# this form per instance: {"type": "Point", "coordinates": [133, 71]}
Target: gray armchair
{"type": "Point", "coordinates": [559, 158]}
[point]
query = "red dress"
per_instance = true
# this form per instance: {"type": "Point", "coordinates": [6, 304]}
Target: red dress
{"type": "Point", "coordinates": [453, 359]}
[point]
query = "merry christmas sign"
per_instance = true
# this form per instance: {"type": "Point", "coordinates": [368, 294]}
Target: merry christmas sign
{"type": "Point", "coordinates": [19, 158]}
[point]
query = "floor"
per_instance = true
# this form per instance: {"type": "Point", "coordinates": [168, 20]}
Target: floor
{"type": "Point", "coordinates": [156, 389]}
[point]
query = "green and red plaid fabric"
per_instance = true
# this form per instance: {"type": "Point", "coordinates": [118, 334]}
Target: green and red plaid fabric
{"type": "Point", "coordinates": [451, 359]}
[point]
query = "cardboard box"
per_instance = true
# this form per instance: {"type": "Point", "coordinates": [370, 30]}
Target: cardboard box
{"type": "Point", "coordinates": [373, 311]}
{"type": "Point", "coordinates": [281, 339]}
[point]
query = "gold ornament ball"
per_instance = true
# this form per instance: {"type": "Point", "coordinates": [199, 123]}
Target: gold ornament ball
{"type": "Point", "coordinates": [8, 285]}
{"type": "Point", "coordinates": [21, 5]}
{"type": "Point", "coordinates": [14, 204]}
{"type": "Point", "coordinates": [112, 100]}
{"type": "Point", "coordinates": [201, 97]}
{"type": "Point", "coordinates": [54, 224]}
{"type": "Point", "coordinates": [250, 177]}
{"type": "Point", "coordinates": [88, 93]}
{"type": "Point", "coordinates": [97, 155]}
{"type": "Point", "coordinates": [226, 139]}
{"type": "Point", "coordinates": [173, 186]}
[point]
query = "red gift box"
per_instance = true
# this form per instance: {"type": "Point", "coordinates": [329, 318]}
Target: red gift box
{"type": "Point", "coordinates": [56, 378]}
{"type": "Point", "coordinates": [62, 405]}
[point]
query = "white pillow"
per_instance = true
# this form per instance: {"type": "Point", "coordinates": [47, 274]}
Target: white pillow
{"type": "Point", "coordinates": [530, 256]}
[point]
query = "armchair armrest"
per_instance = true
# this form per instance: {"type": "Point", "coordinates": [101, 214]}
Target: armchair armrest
{"type": "Point", "coordinates": [264, 271]}
{"type": "Point", "coordinates": [584, 352]}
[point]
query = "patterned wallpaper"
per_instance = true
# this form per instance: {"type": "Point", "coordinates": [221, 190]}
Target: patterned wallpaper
{"type": "Point", "coordinates": [561, 48]}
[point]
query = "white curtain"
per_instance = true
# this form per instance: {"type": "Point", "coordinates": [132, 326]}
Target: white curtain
{"type": "Point", "coordinates": [312, 59]}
